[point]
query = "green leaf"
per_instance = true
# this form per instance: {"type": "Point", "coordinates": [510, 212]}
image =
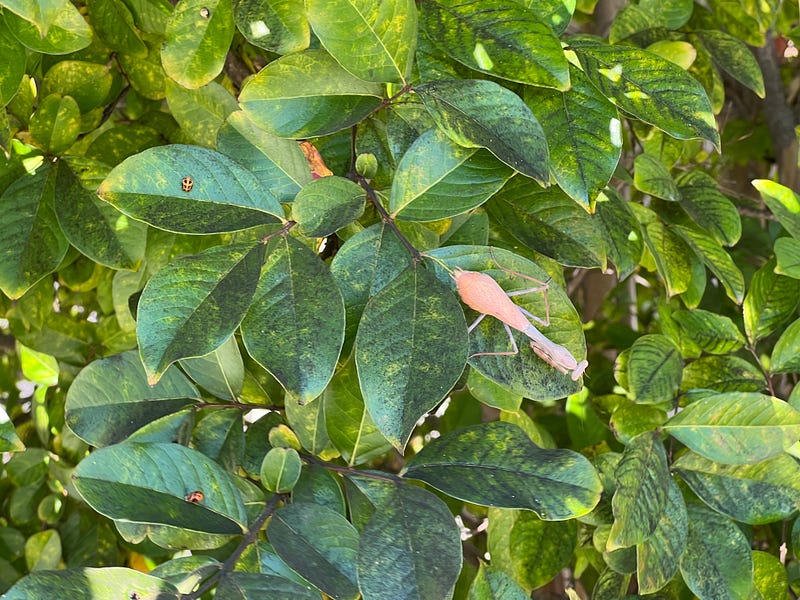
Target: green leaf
{"type": "Point", "coordinates": [708, 207]}
{"type": "Point", "coordinates": [717, 562]}
{"type": "Point", "coordinates": [14, 57]}
{"type": "Point", "coordinates": [650, 176]}
{"type": "Point", "coordinates": [280, 470]}
{"type": "Point", "coordinates": [725, 373]}
{"type": "Point", "coordinates": [716, 259]}
{"type": "Point", "coordinates": [295, 325]}
{"type": "Point", "coordinates": [496, 464]}
{"type": "Point", "coordinates": [200, 112]}
{"type": "Point", "coordinates": [769, 576]}
{"type": "Point", "coordinates": [220, 372]}
{"type": "Point", "coordinates": [732, 55]}
{"type": "Point", "coordinates": [410, 349]}
{"type": "Point", "coordinates": [280, 26]}
{"type": "Point", "coordinates": [410, 546]}
{"type": "Point", "coordinates": [713, 333]}
{"type": "Point", "coordinates": [307, 94]}
{"type": "Point", "coordinates": [672, 13]}
{"type": "Point", "coordinates": [549, 222]}
{"type": "Point", "coordinates": [110, 398]}
{"type": "Point", "coordinates": [113, 239]}
{"type": "Point", "coordinates": [31, 242]}
{"type": "Point", "coordinates": [771, 300]}
{"type": "Point", "coordinates": [240, 585]}
{"type": "Point", "coordinates": [498, 38]}
{"type": "Point", "coordinates": [9, 440]}
{"type": "Point", "coordinates": [477, 113]}
{"type": "Point", "coordinates": [787, 254]}
{"type": "Point", "coordinates": [758, 493]}
{"type": "Point", "coordinates": [198, 36]}
{"type": "Point", "coordinates": [223, 196]}
{"type": "Point", "coordinates": [308, 423]}
{"type": "Point", "coordinates": [658, 557]}
{"type": "Point", "coordinates": [785, 357]}
{"type": "Point", "coordinates": [38, 367]}
{"type": "Point", "coordinates": [194, 304]}
{"type": "Point", "coordinates": [42, 13]}
{"type": "Point", "coordinates": [69, 31]}
{"type": "Point", "coordinates": [89, 84]}
{"type": "Point", "coordinates": [43, 550]}
{"type": "Point", "coordinates": [350, 427]}
{"type": "Point", "coordinates": [375, 41]}
{"type": "Point", "coordinates": [319, 486]}
{"type": "Point", "coordinates": [319, 544]}
{"type": "Point", "coordinates": [584, 135]}
{"type": "Point", "coordinates": [624, 239]}
{"type": "Point", "coordinates": [107, 582]}
{"type": "Point", "coordinates": [149, 483]}
{"type": "Point", "coordinates": [328, 204]}
{"type": "Point", "coordinates": [642, 479]}
{"type": "Point", "coordinates": [56, 123]}
{"type": "Point", "coordinates": [783, 202]}
{"type": "Point", "coordinates": [654, 369]}
{"type": "Point", "coordinates": [649, 87]}
{"type": "Point", "coordinates": [278, 163]}
{"type": "Point", "coordinates": [528, 549]}
{"type": "Point", "coordinates": [670, 254]}
{"type": "Point", "coordinates": [492, 394]}
{"type": "Point", "coordinates": [737, 427]}
{"type": "Point", "coordinates": [491, 584]}
{"type": "Point", "coordinates": [437, 179]}
{"type": "Point", "coordinates": [524, 373]}
{"type": "Point", "coordinates": [113, 22]}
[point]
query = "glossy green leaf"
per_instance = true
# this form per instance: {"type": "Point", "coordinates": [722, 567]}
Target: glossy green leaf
{"type": "Point", "coordinates": [642, 481]}
{"type": "Point", "coordinates": [491, 584]}
{"type": "Point", "coordinates": [43, 550]}
{"type": "Point", "coordinates": [716, 259]}
{"type": "Point", "coordinates": [240, 585]}
{"type": "Point", "coordinates": [280, 470]}
{"type": "Point", "coordinates": [14, 57]}
{"type": "Point", "coordinates": [307, 94]}
{"type": "Point", "coordinates": [328, 204]}
{"type": "Point", "coordinates": [549, 222]}
{"type": "Point", "coordinates": [498, 38]}
{"type": "Point", "coordinates": [726, 373]}
{"type": "Point", "coordinates": [219, 435]}
{"type": "Point", "coordinates": [113, 22]}
{"type": "Point", "coordinates": [145, 73]}
{"type": "Point", "coordinates": [717, 562]}
{"type": "Point", "coordinates": [295, 325]}
{"type": "Point", "coordinates": [69, 31]}
{"type": "Point", "coordinates": [112, 583]}
{"type": "Point", "coordinates": [221, 372]}
{"type": "Point", "coordinates": [658, 557]}
{"type": "Point", "coordinates": [437, 179]}
{"type": "Point", "coordinates": [649, 87]}
{"type": "Point", "coordinates": [410, 349]}
{"type": "Point", "coordinates": [31, 242]}
{"type": "Point", "coordinates": [113, 240]}
{"type": "Point", "coordinates": [651, 177]}
{"type": "Point", "coordinates": [478, 113]}
{"type": "Point", "coordinates": [496, 464]}
{"type": "Point", "coordinates": [785, 357]}
{"type": "Point", "coordinates": [528, 549]}
{"type": "Point", "coordinates": [280, 26]}
{"type": "Point", "coordinates": [308, 423]}
{"type": "Point", "coordinates": [278, 163]}
{"type": "Point", "coordinates": [56, 123]}
{"type": "Point", "coordinates": [654, 369]}
{"type": "Point", "coordinates": [149, 483]}
{"type": "Point", "coordinates": [42, 13]}
{"type": "Point", "coordinates": [110, 398]}
{"type": "Point", "coordinates": [200, 112]}
{"type": "Point", "coordinates": [708, 207]}
{"type": "Point", "coordinates": [194, 304]}
{"type": "Point", "coordinates": [671, 256]}
{"type": "Point", "coordinates": [349, 424]}
{"type": "Point", "coordinates": [89, 84]}
{"type": "Point", "coordinates": [624, 239]}
{"type": "Point", "coordinates": [732, 55]}
{"type": "Point", "coordinates": [771, 300]}
{"type": "Point", "coordinates": [584, 135]}
{"type": "Point", "coordinates": [770, 575]}
{"type": "Point", "coordinates": [787, 255]}
{"type": "Point", "coordinates": [223, 195]}
{"type": "Point", "coordinates": [758, 493]}
{"type": "Point", "coordinates": [38, 367]}
{"type": "Point", "coordinates": [630, 419]}
{"type": "Point", "coordinates": [375, 41]}
{"type": "Point", "coordinates": [9, 440]}
{"type": "Point", "coordinates": [524, 373]}
{"type": "Point", "coordinates": [713, 333]}
{"type": "Point", "coordinates": [320, 486]}
{"type": "Point", "coordinates": [736, 428]}
{"type": "Point", "coordinates": [783, 202]}
{"type": "Point", "coordinates": [198, 36]}
{"type": "Point", "coordinates": [410, 546]}
{"type": "Point", "coordinates": [319, 544]}
{"type": "Point", "coordinates": [492, 394]}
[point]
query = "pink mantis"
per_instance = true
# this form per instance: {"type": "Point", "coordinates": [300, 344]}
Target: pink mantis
{"type": "Point", "coordinates": [481, 292]}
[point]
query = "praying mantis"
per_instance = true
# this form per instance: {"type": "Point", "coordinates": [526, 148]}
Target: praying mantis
{"type": "Point", "coordinates": [482, 293]}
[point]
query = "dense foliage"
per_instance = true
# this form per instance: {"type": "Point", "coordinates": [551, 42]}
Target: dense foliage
{"type": "Point", "coordinates": [237, 362]}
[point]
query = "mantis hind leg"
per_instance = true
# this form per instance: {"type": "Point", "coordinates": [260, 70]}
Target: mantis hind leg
{"type": "Point", "coordinates": [514, 347]}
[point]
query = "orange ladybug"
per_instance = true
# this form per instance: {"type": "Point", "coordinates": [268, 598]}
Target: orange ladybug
{"type": "Point", "coordinates": [187, 183]}
{"type": "Point", "coordinates": [195, 497]}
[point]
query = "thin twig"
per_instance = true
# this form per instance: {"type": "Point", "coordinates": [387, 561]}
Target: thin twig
{"type": "Point", "coordinates": [350, 470]}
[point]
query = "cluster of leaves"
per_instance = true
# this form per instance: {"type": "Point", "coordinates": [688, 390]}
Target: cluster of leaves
{"type": "Point", "coordinates": [224, 344]}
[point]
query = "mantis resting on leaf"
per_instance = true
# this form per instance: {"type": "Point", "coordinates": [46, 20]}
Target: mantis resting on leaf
{"type": "Point", "coordinates": [481, 292]}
